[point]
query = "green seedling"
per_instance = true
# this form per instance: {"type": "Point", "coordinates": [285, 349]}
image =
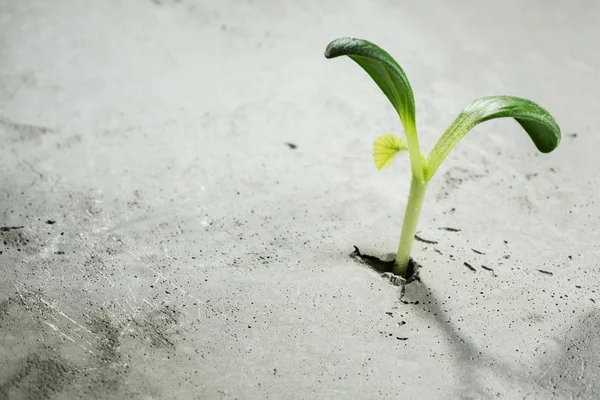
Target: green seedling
{"type": "Point", "coordinates": [391, 79]}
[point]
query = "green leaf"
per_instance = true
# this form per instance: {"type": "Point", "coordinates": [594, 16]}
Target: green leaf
{"type": "Point", "coordinates": [537, 122]}
{"type": "Point", "coordinates": [383, 69]}
{"type": "Point", "coordinates": [392, 81]}
{"type": "Point", "coordinates": [385, 149]}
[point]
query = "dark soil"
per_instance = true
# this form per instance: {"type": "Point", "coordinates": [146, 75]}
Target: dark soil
{"type": "Point", "coordinates": [386, 265]}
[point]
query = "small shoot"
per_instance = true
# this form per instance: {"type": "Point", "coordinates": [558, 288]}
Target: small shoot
{"type": "Point", "coordinates": [391, 79]}
{"type": "Point", "coordinates": [385, 149]}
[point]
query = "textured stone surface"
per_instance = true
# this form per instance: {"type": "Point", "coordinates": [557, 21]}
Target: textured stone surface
{"type": "Point", "coordinates": [162, 240]}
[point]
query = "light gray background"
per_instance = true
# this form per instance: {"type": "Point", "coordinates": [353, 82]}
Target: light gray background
{"type": "Point", "coordinates": [194, 255]}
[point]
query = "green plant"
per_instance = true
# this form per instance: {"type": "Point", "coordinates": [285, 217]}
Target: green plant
{"type": "Point", "coordinates": [387, 74]}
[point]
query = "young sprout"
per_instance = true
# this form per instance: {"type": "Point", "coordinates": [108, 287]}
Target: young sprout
{"type": "Point", "coordinates": [387, 74]}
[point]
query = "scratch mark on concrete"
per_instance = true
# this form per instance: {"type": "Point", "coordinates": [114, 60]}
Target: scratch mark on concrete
{"type": "Point", "coordinates": [20, 295]}
{"type": "Point", "coordinates": [67, 337]}
{"type": "Point", "coordinates": [57, 310]}
{"type": "Point", "coordinates": [130, 306]}
{"type": "Point", "coordinates": [147, 302]}
{"type": "Point", "coordinates": [49, 274]}
{"type": "Point", "coordinates": [125, 329]}
{"type": "Point", "coordinates": [51, 326]}
{"type": "Point", "coordinates": [53, 317]}
{"type": "Point", "coordinates": [106, 277]}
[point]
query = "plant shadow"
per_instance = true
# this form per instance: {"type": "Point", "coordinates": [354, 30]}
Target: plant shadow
{"type": "Point", "coordinates": [573, 371]}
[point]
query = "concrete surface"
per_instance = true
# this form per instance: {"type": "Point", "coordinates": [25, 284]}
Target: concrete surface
{"type": "Point", "coordinates": [161, 241]}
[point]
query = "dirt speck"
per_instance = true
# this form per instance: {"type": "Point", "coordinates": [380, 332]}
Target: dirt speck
{"type": "Point", "coordinates": [420, 239]}
{"type": "Point", "coordinates": [489, 270]}
{"type": "Point", "coordinates": [466, 264]}
{"type": "Point", "coordinates": [9, 228]}
{"type": "Point", "coordinates": [449, 229]}
{"type": "Point", "coordinates": [529, 176]}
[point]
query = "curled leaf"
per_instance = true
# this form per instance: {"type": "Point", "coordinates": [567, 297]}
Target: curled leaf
{"type": "Point", "coordinates": [385, 149]}
{"type": "Point", "coordinates": [384, 70]}
{"type": "Point", "coordinates": [392, 81]}
{"type": "Point", "coordinates": [535, 120]}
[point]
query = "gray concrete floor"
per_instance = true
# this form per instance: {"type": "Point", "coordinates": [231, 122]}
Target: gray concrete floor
{"type": "Point", "coordinates": [161, 241]}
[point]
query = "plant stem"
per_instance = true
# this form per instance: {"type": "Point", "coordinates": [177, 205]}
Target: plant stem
{"type": "Point", "coordinates": [418, 187]}
{"type": "Point", "coordinates": [414, 150]}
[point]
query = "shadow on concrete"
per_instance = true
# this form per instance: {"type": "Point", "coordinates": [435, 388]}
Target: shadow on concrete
{"type": "Point", "coordinates": [573, 373]}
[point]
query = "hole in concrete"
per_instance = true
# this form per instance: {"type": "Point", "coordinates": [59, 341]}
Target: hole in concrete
{"type": "Point", "coordinates": [385, 266]}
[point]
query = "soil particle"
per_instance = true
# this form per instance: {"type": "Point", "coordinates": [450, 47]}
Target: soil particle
{"type": "Point", "coordinates": [410, 302]}
{"type": "Point", "coordinates": [420, 239]}
{"type": "Point", "coordinates": [394, 279]}
{"type": "Point", "coordinates": [9, 228]}
{"type": "Point", "coordinates": [469, 266]}
{"type": "Point", "coordinates": [449, 229]}
{"type": "Point", "coordinates": [487, 268]}
{"type": "Point", "coordinates": [292, 146]}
